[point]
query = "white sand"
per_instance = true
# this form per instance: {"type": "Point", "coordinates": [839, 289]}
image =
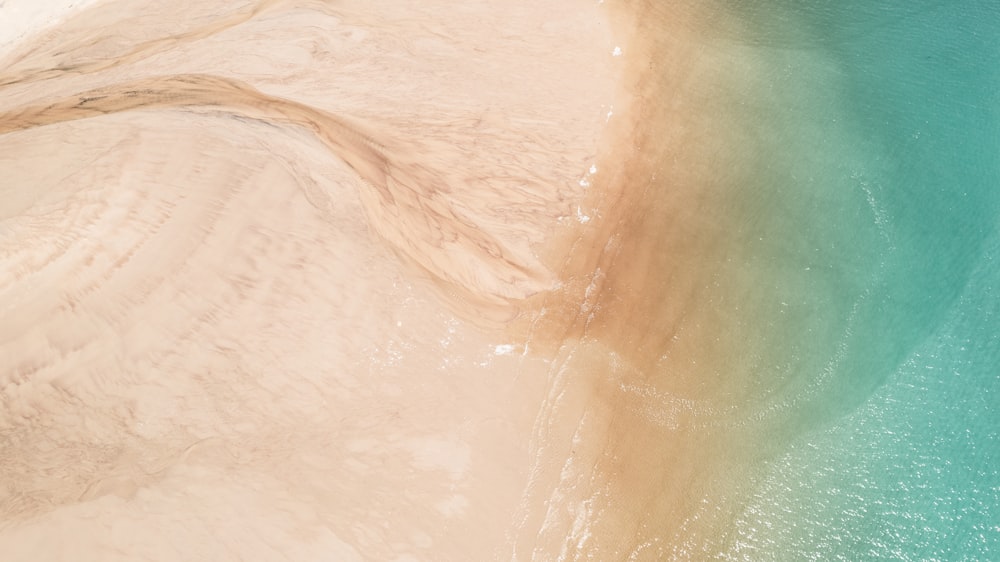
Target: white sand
{"type": "Point", "coordinates": [216, 341]}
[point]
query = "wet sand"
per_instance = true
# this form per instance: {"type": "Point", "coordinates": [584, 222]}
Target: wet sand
{"type": "Point", "coordinates": [338, 281]}
{"type": "Point", "coordinates": [642, 407]}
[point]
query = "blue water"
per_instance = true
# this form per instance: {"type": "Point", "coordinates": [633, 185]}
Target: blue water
{"type": "Point", "coordinates": [893, 450]}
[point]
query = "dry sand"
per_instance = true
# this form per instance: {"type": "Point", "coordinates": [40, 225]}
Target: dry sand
{"type": "Point", "coordinates": [259, 263]}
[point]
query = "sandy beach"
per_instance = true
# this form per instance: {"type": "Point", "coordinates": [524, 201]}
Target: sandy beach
{"type": "Point", "coordinates": [355, 281]}
{"type": "Point", "coordinates": [257, 266]}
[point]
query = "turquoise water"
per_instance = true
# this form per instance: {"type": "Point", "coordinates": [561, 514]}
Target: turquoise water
{"type": "Point", "coordinates": [887, 187]}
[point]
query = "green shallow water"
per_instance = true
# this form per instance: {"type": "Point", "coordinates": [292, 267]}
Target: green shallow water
{"type": "Point", "coordinates": [870, 236]}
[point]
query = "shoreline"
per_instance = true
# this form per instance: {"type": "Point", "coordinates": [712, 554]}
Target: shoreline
{"type": "Point", "coordinates": [628, 456]}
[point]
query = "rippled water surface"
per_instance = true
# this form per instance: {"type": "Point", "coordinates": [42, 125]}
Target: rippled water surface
{"type": "Point", "coordinates": [889, 198]}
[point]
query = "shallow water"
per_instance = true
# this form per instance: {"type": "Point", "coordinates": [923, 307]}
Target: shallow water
{"type": "Point", "coordinates": [792, 339]}
{"type": "Point", "coordinates": [901, 462]}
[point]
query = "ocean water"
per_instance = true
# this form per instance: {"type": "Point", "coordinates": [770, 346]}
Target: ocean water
{"type": "Point", "coordinates": [793, 352]}
{"type": "Point", "coordinates": [859, 283]}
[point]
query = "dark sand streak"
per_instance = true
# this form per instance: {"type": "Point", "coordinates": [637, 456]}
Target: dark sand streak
{"type": "Point", "coordinates": [406, 202]}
